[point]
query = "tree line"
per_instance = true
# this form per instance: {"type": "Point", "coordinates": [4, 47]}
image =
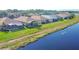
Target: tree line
{"type": "Point", "coordinates": [16, 13]}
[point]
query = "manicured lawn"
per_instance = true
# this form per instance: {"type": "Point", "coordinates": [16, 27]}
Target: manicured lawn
{"type": "Point", "coordinates": [5, 36]}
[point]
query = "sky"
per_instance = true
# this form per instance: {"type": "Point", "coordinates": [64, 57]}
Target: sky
{"type": "Point", "coordinates": [39, 4]}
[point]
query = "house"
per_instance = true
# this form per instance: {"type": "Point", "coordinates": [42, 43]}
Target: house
{"type": "Point", "coordinates": [28, 21]}
{"type": "Point", "coordinates": [48, 17]}
{"type": "Point", "coordinates": [64, 15]}
{"type": "Point", "coordinates": [35, 21]}
{"type": "Point", "coordinates": [23, 19]}
{"type": "Point", "coordinates": [51, 18]}
{"type": "Point", "coordinates": [11, 25]}
{"type": "Point", "coordinates": [56, 18]}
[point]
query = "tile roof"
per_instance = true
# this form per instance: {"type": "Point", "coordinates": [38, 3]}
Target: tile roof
{"type": "Point", "coordinates": [22, 19]}
{"type": "Point", "coordinates": [8, 21]}
{"type": "Point", "coordinates": [37, 18]}
{"type": "Point", "coordinates": [3, 20]}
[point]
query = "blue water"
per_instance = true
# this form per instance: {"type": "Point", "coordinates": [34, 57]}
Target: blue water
{"type": "Point", "coordinates": [67, 39]}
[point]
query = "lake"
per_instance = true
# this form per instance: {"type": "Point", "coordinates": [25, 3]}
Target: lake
{"type": "Point", "coordinates": [67, 39]}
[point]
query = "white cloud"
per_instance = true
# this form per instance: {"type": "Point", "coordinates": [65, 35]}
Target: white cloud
{"type": "Point", "coordinates": [39, 4]}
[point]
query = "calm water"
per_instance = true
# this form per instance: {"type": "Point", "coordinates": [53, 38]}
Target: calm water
{"type": "Point", "coordinates": [66, 39]}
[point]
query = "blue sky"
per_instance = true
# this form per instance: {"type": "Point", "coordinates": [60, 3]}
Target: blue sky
{"type": "Point", "coordinates": [39, 4]}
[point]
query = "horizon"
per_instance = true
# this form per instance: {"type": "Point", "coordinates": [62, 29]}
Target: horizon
{"type": "Point", "coordinates": [46, 9]}
{"type": "Point", "coordinates": [39, 4]}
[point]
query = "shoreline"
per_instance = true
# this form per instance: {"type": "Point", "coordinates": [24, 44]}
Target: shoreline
{"type": "Point", "coordinates": [21, 42]}
{"type": "Point", "coordinates": [46, 35]}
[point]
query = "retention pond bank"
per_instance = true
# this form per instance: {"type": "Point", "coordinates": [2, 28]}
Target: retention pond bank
{"type": "Point", "coordinates": [67, 39]}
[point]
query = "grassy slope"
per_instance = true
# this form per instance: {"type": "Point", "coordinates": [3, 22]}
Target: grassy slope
{"type": "Point", "coordinates": [5, 36]}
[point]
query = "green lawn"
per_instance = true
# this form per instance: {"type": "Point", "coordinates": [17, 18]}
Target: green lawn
{"type": "Point", "coordinates": [5, 36]}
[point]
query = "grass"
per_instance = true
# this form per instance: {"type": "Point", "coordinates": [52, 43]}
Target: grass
{"type": "Point", "coordinates": [6, 36]}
